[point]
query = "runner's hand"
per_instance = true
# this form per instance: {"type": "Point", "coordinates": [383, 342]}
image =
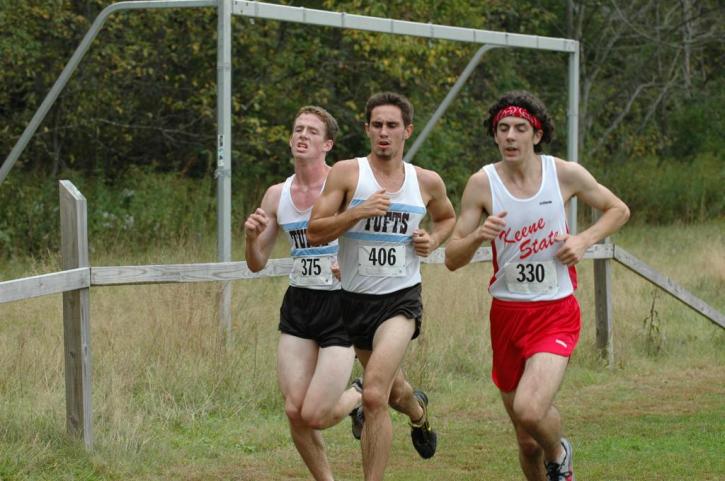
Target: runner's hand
{"type": "Point", "coordinates": [336, 270]}
{"type": "Point", "coordinates": [572, 249]}
{"type": "Point", "coordinates": [491, 227]}
{"type": "Point", "coordinates": [255, 224]}
{"type": "Point", "coordinates": [375, 205]}
{"type": "Point", "coordinates": [423, 243]}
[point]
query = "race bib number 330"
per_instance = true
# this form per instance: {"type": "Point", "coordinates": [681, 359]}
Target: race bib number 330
{"type": "Point", "coordinates": [382, 261]}
{"type": "Point", "coordinates": [531, 277]}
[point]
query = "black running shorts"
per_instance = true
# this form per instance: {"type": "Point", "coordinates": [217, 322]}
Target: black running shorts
{"type": "Point", "coordinates": [363, 313]}
{"type": "Point", "coordinates": [313, 314]}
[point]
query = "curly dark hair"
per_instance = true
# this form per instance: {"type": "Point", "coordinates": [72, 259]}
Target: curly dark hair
{"type": "Point", "coordinates": [527, 100]}
{"type": "Point", "coordinates": [390, 98]}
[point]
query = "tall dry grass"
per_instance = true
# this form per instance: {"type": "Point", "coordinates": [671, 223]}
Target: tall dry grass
{"type": "Point", "coordinates": [159, 361]}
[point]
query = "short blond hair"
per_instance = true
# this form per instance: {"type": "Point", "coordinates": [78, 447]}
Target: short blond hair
{"type": "Point", "coordinates": [331, 127]}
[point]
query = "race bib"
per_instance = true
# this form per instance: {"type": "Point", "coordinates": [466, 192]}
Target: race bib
{"type": "Point", "coordinates": [531, 277]}
{"type": "Point", "coordinates": [381, 261]}
{"type": "Point", "coordinates": [312, 271]}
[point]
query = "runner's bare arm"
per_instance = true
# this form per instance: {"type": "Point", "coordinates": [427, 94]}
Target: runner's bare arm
{"type": "Point", "coordinates": [329, 218]}
{"type": "Point", "coordinates": [441, 211]}
{"type": "Point", "coordinates": [260, 230]}
{"type": "Point", "coordinates": [575, 180]}
{"type": "Point", "coordinates": [469, 233]}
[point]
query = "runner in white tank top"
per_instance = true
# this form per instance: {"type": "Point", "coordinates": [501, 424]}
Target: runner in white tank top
{"type": "Point", "coordinates": [314, 355]}
{"type": "Point", "coordinates": [524, 253]}
{"type": "Point", "coordinates": [535, 319]}
{"type": "Point", "coordinates": [312, 266]}
{"type": "Point", "coordinates": [374, 206]}
{"type": "Point", "coordinates": [377, 254]}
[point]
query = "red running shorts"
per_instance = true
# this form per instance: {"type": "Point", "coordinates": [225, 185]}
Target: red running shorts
{"type": "Point", "coordinates": [521, 329]}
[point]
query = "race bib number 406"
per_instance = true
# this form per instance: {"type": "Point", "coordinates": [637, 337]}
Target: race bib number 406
{"type": "Point", "coordinates": [382, 261]}
{"type": "Point", "coordinates": [531, 277]}
{"type": "Point", "coordinates": [312, 271]}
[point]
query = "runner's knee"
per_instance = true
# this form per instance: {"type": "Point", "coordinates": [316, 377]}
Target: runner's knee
{"type": "Point", "coordinates": [315, 420]}
{"type": "Point", "coordinates": [315, 417]}
{"type": "Point", "coordinates": [293, 411]}
{"type": "Point", "coordinates": [398, 393]}
{"type": "Point", "coordinates": [374, 399]}
{"type": "Point", "coordinates": [528, 447]}
{"type": "Point", "coordinates": [529, 414]}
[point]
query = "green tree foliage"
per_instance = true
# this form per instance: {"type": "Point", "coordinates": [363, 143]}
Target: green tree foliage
{"type": "Point", "coordinates": [144, 98]}
{"type": "Point", "coordinates": [144, 95]}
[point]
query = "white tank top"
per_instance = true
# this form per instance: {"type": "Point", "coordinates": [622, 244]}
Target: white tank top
{"type": "Point", "coordinates": [377, 254]}
{"type": "Point", "coordinates": [524, 262]}
{"type": "Point", "coordinates": [311, 266]}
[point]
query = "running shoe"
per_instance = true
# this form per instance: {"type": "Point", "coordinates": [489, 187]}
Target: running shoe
{"type": "Point", "coordinates": [565, 470]}
{"type": "Point", "coordinates": [356, 415]}
{"type": "Point", "coordinates": [424, 438]}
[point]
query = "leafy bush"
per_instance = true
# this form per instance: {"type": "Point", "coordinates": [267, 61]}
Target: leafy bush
{"type": "Point", "coordinates": [150, 208]}
{"type": "Point", "coordinates": [666, 191]}
{"type": "Point", "coordinates": [29, 219]}
{"type": "Point", "coordinates": [142, 207]}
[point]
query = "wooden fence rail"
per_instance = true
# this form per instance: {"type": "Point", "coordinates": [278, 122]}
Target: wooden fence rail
{"type": "Point", "coordinates": [78, 276]}
{"type": "Point", "coordinates": [58, 282]}
{"type": "Point", "coordinates": [668, 285]}
{"type": "Point", "coordinates": [44, 284]}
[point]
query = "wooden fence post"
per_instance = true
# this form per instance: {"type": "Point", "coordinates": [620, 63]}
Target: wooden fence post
{"type": "Point", "coordinates": [76, 315]}
{"type": "Point", "coordinates": [603, 303]}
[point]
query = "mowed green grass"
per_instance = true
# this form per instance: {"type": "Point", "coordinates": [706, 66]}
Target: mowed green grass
{"type": "Point", "coordinates": [171, 403]}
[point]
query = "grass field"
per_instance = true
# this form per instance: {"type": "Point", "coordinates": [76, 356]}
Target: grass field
{"type": "Point", "coordinates": [170, 403]}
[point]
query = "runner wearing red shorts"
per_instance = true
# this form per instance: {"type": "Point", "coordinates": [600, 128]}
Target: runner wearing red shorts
{"type": "Point", "coordinates": [535, 318]}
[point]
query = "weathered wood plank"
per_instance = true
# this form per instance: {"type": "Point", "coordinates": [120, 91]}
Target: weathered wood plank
{"type": "Point", "coordinates": [600, 251]}
{"type": "Point", "coordinates": [483, 254]}
{"type": "Point", "coordinates": [44, 284]}
{"type": "Point", "coordinates": [175, 273]}
{"type": "Point", "coordinates": [603, 309]}
{"type": "Point", "coordinates": [231, 271]}
{"type": "Point", "coordinates": [58, 282]}
{"type": "Point", "coordinates": [76, 315]}
{"type": "Point", "coordinates": [603, 314]}
{"type": "Point", "coordinates": [667, 284]}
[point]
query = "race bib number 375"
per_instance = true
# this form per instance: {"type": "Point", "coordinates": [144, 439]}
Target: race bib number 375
{"type": "Point", "coordinates": [382, 261]}
{"type": "Point", "coordinates": [531, 277]}
{"type": "Point", "coordinates": [312, 271]}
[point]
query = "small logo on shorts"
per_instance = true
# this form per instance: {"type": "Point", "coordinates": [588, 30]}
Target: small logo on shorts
{"type": "Point", "coordinates": [560, 342]}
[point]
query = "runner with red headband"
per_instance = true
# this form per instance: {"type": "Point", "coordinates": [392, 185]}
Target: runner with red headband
{"type": "Point", "coordinates": [535, 318]}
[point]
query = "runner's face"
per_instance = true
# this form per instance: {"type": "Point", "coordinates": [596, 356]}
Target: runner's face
{"type": "Point", "coordinates": [387, 133]}
{"type": "Point", "coordinates": [308, 138]}
{"type": "Point", "coordinates": [516, 138]}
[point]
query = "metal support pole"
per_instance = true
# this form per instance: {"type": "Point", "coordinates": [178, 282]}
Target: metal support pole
{"type": "Point", "coordinates": [467, 72]}
{"type": "Point", "coordinates": [573, 127]}
{"type": "Point", "coordinates": [72, 64]}
{"type": "Point", "coordinates": [224, 157]}
{"type": "Point", "coordinates": [76, 315]}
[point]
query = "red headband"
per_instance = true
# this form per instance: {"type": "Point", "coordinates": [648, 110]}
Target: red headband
{"type": "Point", "coordinates": [515, 111]}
